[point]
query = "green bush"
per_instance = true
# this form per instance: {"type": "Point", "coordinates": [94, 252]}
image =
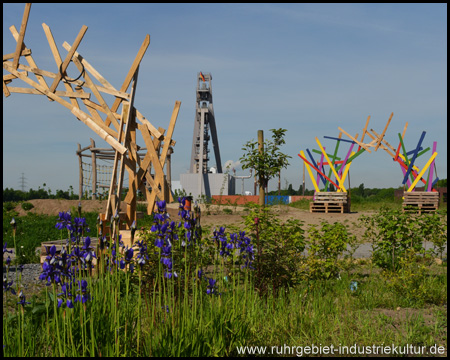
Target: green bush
{"type": "Point", "coordinates": [394, 232]}
{"type": "Point", "coordinates": [27, 206]}
{"type": "Point", "coordinates": [9, 205]}
{"type": "Point", "coordinates": [326, 246]}
{"type": "Point", "coordinates": [278, 248]}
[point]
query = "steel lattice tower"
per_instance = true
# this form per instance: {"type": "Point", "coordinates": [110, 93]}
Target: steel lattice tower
{"type": "Point", "coordinates": [204, 124]}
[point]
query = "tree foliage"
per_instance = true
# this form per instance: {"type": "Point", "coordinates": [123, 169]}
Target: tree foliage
{"type": "Point", "coordinates": [270, 161]}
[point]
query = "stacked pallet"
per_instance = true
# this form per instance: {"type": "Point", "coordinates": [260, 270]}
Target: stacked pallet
{"type": "Point", "coordinates": [125, 239]}
{"type": "Point", "coordinates": [328, 202]}
{"type": "Point", "coordinates": [420, 201]}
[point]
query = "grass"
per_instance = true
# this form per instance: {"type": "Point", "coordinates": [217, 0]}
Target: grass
{"type": "Point", "coordinates": [33, 229]}
{"type": "Point", "coordinates": [364, 204]}
{"type": "Point", "coordinates": [147, 314]}
{"type": "Point", "coordinates": [322, 312]}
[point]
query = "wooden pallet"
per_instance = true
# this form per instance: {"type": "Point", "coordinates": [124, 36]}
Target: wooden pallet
{"type": "Point", "coordinates": [420, 201]}
{"type": "Point", "coordinates": [334, 197]}
{"type": "Point", "coordinates": [328, 207]}
{"type": "Point", "coordinates": [330, 202]}
{"type": "Point", "coordinates": [126, 239]}
{"type": "Point", "coordinates": [419, 208]}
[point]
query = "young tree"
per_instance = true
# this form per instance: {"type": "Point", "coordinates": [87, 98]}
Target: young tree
{"type": "Point", "coordinates": [267, 160]}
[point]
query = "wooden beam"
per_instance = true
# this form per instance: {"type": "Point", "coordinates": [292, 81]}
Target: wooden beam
{"type": "Point", "coordinates": [383, 140]}
{"type": "Point", "coordinates": [57, 57]}
{"type": "Point", "coordinates": [156, 133]}
{"type": "Point", "coordinates": [166, 146]}
{"type": "Point", "coordinates": [5, 89]}
{"type": "Point", "coordinates": [98, 119]}
{"type": "Point", "coordinates": [308, 163]}
{"type": "Point", "coordinates": [11, 56]}
{"type": "Point", "coordinates": [90, 68]}
{"type": "Point", "coordinates": [419, 177]}
{"type": "Point", "coordinates": [29, 59]}
{"type": "Point", "coordinates": [23, 28]}
{"type": "Point", "coordinates": [364, 131]}
{"type": "Point", "coordinates": [382, 146]}
{"type": "Point", "coordinates": [100, 132]}
{"type": "Point", "coordinates": [68, 58]}
{"type": "Point", "coordinates": [80, 178]}
{"type": "Point", "coordinates": [131, 72]}
{"type": "Point", "coordinates": [76, 111]}
{"type": "Point", "coordinates": [302, 154]}
{"type": "Point", "coordinates": [341, 184]}
{"type": "Point", "coordinates": [97, 94]}
{"type": "Point", "coordinates": [127, 113]}
{"type": "Point", "coordinates": [399, 145]}
{"type": "Point", "coordinates": [364, 146]}
{"type": "Point", "coordinates": [10, 77]}
{"type": "Point", "coordinates": [170, 131]}
{"type": "Point", "coordinates": [71, 94]}
{"type": "Point", "coordinates": [94, 171]}
{"type": "Point", "coordinates": [384, 131]}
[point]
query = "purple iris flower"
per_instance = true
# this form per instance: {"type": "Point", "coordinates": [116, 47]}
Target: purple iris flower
{"type": "Point", "coordinates": [168, 274]}
{"type": "Point", "coordinates": [51, 254]}
{"type": "Point", "coordinates": [64, 221]}
{"type": "Point", "coordinates": [200, 274]}
{"type": "Point", "coordinates": [22, 299]}
{"type": "Point", "coordinates": [142, 255]}
{"type": "Point", "coordinates": [50, 273]}
{"type": "Point", "coordinates": [5, 250]}
{"type": "Point", "coordinates": [7, 286]}
{"type": "Point", "coordinates": [87, 243]}
{"type": "Point", "coordinates": [211, 287]}
{"type": "Point", "coordinates": [161, 206]}
{"type": "Point", "coordinates": [84, 296]}
{"type": "Point", "coordinates": [66, 292]}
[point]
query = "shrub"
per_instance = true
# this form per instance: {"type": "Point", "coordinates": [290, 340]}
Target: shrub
{"type": "Point", "coordinates": [326, 246]}
{"type": "Point", "coordinates": [393, 233]}
{"type": "Point", "coordinates": [9, 205]}
{"type": "Point", "coordinates": [27, 206]}
{"type": "Point", "coordinates": [279, 247]}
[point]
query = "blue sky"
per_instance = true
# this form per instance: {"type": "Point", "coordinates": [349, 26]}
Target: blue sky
{"type": "Point", "coordinates": [308, 68]}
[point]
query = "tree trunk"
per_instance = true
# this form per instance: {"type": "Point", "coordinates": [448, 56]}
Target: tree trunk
{"type": "Point", "coordinates": [262, 194]}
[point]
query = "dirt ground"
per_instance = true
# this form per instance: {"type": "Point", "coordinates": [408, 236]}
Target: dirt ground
{"type": "Point", "coordinates": [212, 215]}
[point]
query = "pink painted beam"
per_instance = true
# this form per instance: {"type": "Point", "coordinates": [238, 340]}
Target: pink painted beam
{"type": "Point", "coordinates": [345, 160]}
{"type": "Point", "coordinates": [430, 177]}
{"type": "Point", "coordinates": [320, 166]}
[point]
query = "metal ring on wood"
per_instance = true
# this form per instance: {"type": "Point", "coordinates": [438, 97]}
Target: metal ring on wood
{"type": "Point", "coordinates": [72, 80]}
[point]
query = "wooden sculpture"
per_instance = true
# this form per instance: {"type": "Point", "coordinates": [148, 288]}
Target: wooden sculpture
{"type": "Point", "coordinates": [121, 114]}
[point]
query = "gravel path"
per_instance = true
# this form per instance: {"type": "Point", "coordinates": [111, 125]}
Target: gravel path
{"type": "Point", "coordinates": [29, 277]}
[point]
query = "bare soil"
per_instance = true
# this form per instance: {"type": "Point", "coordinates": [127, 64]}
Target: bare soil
{"type": "Point", "coordinates": [211, 215]}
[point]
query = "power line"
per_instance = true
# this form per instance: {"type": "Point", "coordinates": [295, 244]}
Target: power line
{"type": "Point", "coordinates": [22, 182]}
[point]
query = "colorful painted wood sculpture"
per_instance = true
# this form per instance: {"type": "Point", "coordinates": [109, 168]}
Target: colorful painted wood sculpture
{"type": "Point", "coordinates": [412, 175]}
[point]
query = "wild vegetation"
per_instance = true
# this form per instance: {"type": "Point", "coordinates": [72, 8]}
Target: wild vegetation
{"type": "Point", "coordinates": [184, 291]}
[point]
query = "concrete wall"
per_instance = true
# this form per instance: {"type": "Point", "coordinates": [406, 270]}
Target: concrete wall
{"type": "Point", "coordinates": [211, 184]}
{"type": "Point", "coordinates": [244, 199]}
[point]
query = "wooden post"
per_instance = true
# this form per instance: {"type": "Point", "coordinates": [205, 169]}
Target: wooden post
{"type": "Point", "coordinates": [94, 171]}
{"type": "Point", "coordinates": [303, 189]}
{"type": "Point", "coordinates": [23, 28]}
{"type": "Point", "coordinates": [132, 179]}
{"type": "Point", "coordinates": [169, 172]}
{"type": "Point", "coordinates": [80, 163]}
{"type": "Point", "coordinates": [262, 195]}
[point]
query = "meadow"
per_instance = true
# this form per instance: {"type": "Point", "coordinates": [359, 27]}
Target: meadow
{"type": "Point", "coordinates": [188, 290]}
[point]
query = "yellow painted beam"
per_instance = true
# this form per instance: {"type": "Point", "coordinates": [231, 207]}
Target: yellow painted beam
{"type": "Point", "coordinates": [341, 184]}
{"type": "Point", "coordinates": [422, 172]}
{"type": "Point", "coordinates": [310, 172]}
